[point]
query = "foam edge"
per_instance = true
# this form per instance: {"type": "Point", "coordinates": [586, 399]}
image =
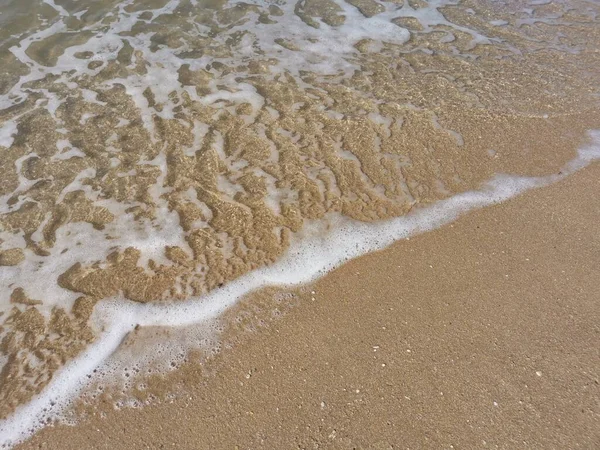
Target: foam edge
{"type": "Point", "coordinates": [305, 261]}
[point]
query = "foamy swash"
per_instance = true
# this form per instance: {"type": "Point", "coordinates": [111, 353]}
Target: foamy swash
{"type": "Point", "coordinates": [160, 163]}
{"type": "Point", "coordinates": [308, 259]}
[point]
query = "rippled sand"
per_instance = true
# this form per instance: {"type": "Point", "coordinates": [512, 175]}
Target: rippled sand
{"type": "Point", "coordinates": [155, 151]}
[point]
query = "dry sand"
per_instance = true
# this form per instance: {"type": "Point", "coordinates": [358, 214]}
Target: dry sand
{"type": "Point", "coordinates": [481, 334]}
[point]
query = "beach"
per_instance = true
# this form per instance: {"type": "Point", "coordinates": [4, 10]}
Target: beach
{"type": "Point", "coordinates": [481, 334]}
{"type": "Point", "coordinates": [299, 224]}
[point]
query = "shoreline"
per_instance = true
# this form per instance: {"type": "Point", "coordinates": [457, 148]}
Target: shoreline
{"type": "Point", "coordinates": [358, 289]}
{"type": "Point", "coordinates": [303, 264]}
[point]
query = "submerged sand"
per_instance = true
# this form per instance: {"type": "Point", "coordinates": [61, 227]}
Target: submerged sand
{"type": "Point", "coordinates": [481, 334]}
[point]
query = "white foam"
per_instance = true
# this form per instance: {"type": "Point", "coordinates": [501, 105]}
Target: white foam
{"type": "Point", "coordinates": [306, 259]}
{"type": "Point", "coordinates": [324, 50]}
{"type": "Point", "coordinates": [7, 130]}
{"type": "Point", "coordinates": [67, 151]}
{"type": "Point", "coordinates": [81, 243]}
{"type": "Point", "coordinates": [430, 17]}
{"type": "Point", "coordinates": [59, 9]}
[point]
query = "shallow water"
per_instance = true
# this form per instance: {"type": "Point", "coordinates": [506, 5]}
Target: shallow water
{"type": "Point", "coordinates": [157, 151]}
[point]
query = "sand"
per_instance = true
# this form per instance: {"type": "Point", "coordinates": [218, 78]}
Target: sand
{"type": "Point", "coordinates": [481, 334]}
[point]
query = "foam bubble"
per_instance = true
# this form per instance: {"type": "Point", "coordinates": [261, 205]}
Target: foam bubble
{"type": "Point", "coordinates": [7, 130]}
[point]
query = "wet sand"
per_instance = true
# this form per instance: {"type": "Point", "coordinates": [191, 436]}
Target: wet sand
{"type": "Point", "coordinates": [481, 334]}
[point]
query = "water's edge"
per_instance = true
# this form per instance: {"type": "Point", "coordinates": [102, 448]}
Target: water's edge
{"type": "Point", "coordinates": [305, 261]}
